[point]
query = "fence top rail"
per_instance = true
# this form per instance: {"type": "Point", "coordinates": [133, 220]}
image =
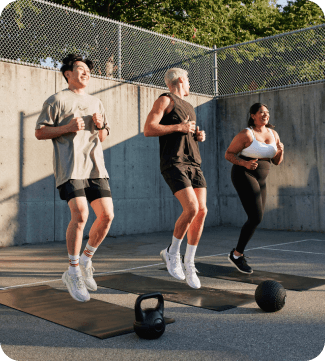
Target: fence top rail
{"type": "Point", "coordinates": [268, 38]}
{"type": "Point", "coordinates": [121, 23]}
{"type": "Point", "coordinates": [280, 87]}
{"type": "Point", "coordinates": [3, 60]}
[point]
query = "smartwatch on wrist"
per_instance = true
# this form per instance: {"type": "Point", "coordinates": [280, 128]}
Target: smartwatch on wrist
{"type": "Point", "coordinates": [105, 126]}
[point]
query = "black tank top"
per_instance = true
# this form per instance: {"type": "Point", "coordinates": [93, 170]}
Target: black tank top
{"type": "Point", "coordinates": [178, 147]}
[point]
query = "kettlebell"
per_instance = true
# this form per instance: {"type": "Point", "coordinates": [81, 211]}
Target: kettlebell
{"type": "Point", "coordinates": [149, 323]}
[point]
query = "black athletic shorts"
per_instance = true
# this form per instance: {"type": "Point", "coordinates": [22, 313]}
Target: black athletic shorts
{"type": "Point", "coordinates": [90, 188]}
{"type": "Point", "coordinates": [183, 176]}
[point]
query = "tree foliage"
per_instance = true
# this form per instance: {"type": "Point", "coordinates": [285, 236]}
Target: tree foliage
{"type": "Point", "coordinates": [207, 22]}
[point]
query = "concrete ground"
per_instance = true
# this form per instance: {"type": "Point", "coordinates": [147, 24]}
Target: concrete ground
{"type": "Point", "coordinates": [296, 333]}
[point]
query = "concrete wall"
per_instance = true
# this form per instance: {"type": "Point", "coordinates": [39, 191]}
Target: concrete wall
{"type": "Point", "coordinates": [30, 208]}
{"type": "Point", "coordinates": [32, 212]}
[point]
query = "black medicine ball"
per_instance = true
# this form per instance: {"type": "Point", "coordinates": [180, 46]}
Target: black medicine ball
{"type": "Point", "coordinates": [270, 296]}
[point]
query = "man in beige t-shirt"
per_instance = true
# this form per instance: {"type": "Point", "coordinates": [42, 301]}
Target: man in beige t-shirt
{"type": "Point", "coordinates": [77, 124]}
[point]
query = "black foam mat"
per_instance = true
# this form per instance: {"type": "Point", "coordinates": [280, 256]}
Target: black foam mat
{"type": "Point", "coordinates": [96, 318]}
{"type": "Point", "coordinates": [289, 282]}
{"type": "Point", "coordinates": [210, 298]}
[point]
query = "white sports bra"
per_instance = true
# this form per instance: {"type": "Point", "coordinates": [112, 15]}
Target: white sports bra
{"type": "Point", "coordinates": [259, 149]}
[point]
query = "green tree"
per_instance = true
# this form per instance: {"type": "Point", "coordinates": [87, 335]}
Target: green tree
{"type": "Point", "coordinates": [207, 22]}
{"type": "Point", "coordinates": [299, 14]}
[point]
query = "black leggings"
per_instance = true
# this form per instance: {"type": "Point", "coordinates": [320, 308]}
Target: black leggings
{"type": "Point", "coordinates": [251, 188]}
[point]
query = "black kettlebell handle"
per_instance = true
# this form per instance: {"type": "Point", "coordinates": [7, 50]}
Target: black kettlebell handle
{"type": "Point", "coordinates": [150, 295]}
{"type": "Point", "coordinates": [145, 296]}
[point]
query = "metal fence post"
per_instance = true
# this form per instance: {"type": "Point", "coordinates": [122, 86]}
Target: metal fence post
{"type": "Point", "coordinates": [215, 71]}
{"type": "Point", "coordinates": [119, 51]}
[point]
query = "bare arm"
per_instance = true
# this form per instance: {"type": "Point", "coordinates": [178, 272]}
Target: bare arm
{"type": "Point", "coordinates": [152, 128]}
{"type": "Point", "coordinates": [75, 124]}
{"type": "Point", "coordinates": [102, 134]}
{"type": "Point", "coordinates": [278, 158]}
{"type": "Point", "coordinates": [46, 132]}
{"type": "Point", "coordinates": [99, 122]}
{"type": "Point", "coordinates": [241, 141]}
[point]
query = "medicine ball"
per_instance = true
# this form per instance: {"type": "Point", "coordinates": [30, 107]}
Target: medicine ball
{"type": "Point", "coordinates": [270, 296]}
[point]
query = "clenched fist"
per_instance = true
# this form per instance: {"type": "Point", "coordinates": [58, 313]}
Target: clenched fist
{"type": "Point", "coordinates": [188, 127]}
{"type": "Point", "coordinates": [251, 164]}
{"type": "Point", "coordinates": [280, 147]}
{"type": "Point", "coordinates": [76, 124]}
{"type": "Point", "coordinates": [200, 135]}
{"type": "Point", "coordinates": [98, 120]}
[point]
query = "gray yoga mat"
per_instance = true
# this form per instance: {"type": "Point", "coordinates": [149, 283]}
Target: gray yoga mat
{"type": "Point", "coordinates": [96, 318]}
{"type": "Point", "coordinates": [210, 298]}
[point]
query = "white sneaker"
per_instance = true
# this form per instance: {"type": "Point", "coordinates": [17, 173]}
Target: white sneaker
{"type": "Point", "coordinates": [88, 272]}
{"type": "Point", "coordinates": [173, 263]}
{"type": "Point", "coordinates": [190, 275]}
{"type": "Point", "coordinates": [76, 286]}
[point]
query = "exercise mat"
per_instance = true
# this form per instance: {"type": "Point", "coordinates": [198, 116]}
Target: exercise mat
{"type": "Point", "coordinates": [289, 282]}
{"type": "Point", "coordinates": [210, 298]}
{"type": "Point", "coordinates": [96, 318]}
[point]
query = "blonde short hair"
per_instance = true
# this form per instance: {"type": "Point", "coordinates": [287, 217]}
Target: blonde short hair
{"type": "Point", "coordinates": [172, 75]}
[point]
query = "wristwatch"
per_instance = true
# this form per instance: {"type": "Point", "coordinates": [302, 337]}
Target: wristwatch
{"type": "Point", "coordinates": [105, 126]}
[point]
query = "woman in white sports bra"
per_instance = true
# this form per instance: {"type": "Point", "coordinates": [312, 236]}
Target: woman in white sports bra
{"type": "Point", "coordinates": [252, 151]}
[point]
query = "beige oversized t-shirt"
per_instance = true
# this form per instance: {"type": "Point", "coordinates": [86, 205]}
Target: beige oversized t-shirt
{"type": "Point", "coordinates": [76, 155]}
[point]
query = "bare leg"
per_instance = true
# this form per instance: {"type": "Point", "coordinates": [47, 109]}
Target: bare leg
{"type": "Point", "coordinates": [194, 204]}
{"type": "Point", "coordinates": [191, 220]}
{"type": "Point", "coordinates": [73, 277]}
{"type": "Point", "coordinates": [103, 208]}
{"type": "Point", "coordinates": [196, 227]}
{"type": "Point", "coordinates": [79, 215]}
{"type": "Point", "coordinates": [190, 204]}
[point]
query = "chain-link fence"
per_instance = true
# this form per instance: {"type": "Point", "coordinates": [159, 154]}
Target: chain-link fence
{"type": "Point", "coordinates": [280, 61]}
{"type": "Point", "coordinates": [40, 33]}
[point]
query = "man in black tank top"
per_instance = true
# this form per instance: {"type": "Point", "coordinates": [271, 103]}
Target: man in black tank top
{"type": "Point", "coordinates": [173, 120]}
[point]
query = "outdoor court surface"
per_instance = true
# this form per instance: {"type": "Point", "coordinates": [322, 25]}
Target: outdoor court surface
{"type": "Point", "coordinates": [296, 333]}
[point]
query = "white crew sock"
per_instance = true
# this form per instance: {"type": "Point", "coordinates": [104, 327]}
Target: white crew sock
{"type": "Point", "coordinates": [236, 257]}
{"type": "Point", "coordinates": [87, 254]}
{"type": "Point", "coordinates": [175, 247]}
{"type": "Point", "coordinates": [190, 254]}
{"type": "Point", "coordinates": [74, 264]}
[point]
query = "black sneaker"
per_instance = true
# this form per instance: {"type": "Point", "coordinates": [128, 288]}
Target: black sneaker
{"type": "Point", "coordinates": [240, 263]}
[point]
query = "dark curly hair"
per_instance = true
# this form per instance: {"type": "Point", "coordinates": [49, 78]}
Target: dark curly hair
{"type": "Point", "coordinates": [70, 60]}
{"type": "Point", "coordinates": [253, 110]}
